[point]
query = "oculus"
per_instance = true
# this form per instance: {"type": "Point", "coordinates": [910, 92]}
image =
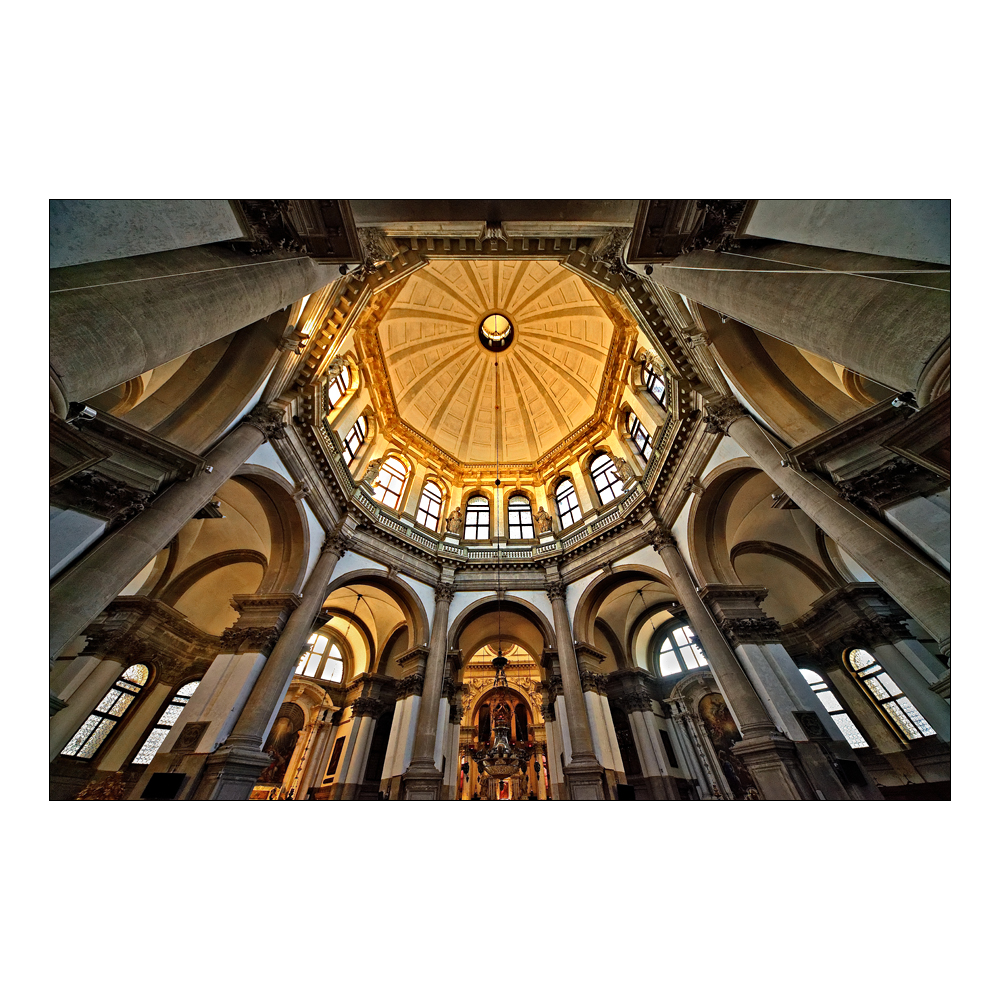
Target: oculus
{"type": "Point", "coordinates": [496, 332]}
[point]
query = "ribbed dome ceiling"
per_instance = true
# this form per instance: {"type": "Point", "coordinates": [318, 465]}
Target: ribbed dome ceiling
{"type": "Point", "coordinates": [443, 380]}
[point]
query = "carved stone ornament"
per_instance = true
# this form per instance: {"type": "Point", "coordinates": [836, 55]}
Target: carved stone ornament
{"type": "Point", "coordinates": [371, 473]}
{"type": "Point", "coordinates": [548, 711]}
{"type": "Point", "coordinates": [337, 544]}
{"type": "Point", "coordinates": [718, 416]}
{"type": "Point", "coordinates": [336, 366]}
{"type": "Point", "coordinates": [190, 737]}
{"type": "Point", "coordinates": [367, 706]}
{"type": "Point", "coordinates": [542, 519]}
{"type": "Point", "coordinates": [454, 521]}
{"type": "Point", "coordinates": [294, 340]}
{"type": "Point", "coordinates": [608, 248]}
{"type": "Point", "coordinates": [376, 247]}
{"type": "Point", "coordinates": [693, 486]}
{"type": "Point", "coordinates": [593, 681]}
{"type": "Point", "coordinates": [625, 472]}
{"type": "Point", "coordinates": [811, 726]}
{"type": "Point", "coordinates": [659, 536]}
{"type": "Point", "coordinates": [247, 640]}
{"type": "Point", "coordinates": [555, 591]}
{"type": "Point", "coordinates": [105, 498]}
{"type": "Point", "coordinates": [444, 592]}
{"type": "Point", "coordinates": [411, 685]}
{"type": "Point", "coordinates": [648, 360]}
{"type": "Point", "coordinates": [269, 420]}
{"type": "Point", "coordinates": [634, 701]}
{"type": "Point", "coordinates": [891, 483]}
{"type": "Point", "coordinates": [119, 646]}
{"type": "Point", "coordinates": [755, 631]}
{"type": "Point", "coordinates": [868, 633]}
{"type": "Point", "coordinates": [269, 227]}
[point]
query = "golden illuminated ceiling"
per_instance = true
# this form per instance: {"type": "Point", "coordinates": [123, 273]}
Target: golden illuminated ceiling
{"type": "Point", "coordinates": [443, 380]}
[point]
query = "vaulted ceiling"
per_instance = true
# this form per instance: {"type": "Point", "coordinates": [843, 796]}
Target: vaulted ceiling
{"type": "Point", "coordinates": [444, 381]}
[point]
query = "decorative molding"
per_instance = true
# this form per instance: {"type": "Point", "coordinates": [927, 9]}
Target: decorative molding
{"type": "Point", "coordinates": [719, 415]}
{"type": "Point", "coordinates": [811, 725]}
{"type": "Point", "coordinates": [594, 681]}
{"type": "Point", "coordinates": [247, 640]}
{"type": "Point", "coordinates": [444, 592]}
{"type": "Point", "coordinates": [609, 247]}
{"type": "Point", "coordinates": [269, 420]}
{"type": "Point", "coordinates": [555, 591]}
{"type": "Point", "coordinates": [190, 737]}
{"type": "Point", "coordinates": [367, 706]}
{"type": "Point", "coordinates": [753, 631]}
{"type": "Point", "coordinates": [694, 486]}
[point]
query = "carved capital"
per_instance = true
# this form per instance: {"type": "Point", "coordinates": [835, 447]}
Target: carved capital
{"type": "Point", "coordinates": [406, 686]}
{"type": "Point", "coordinates": [548, 711]}
{"type": "Point", "coordinates": [719, 416]}
{"type": "Point", "coordinates": [102, 497]}
{"type": "Point", "coordinates": [693, 486]}
{"type": "Point", "coordinates": [367, 706]}
{"type": "Point", "coordinates": [555, 591]}
{"type": "Point", "coordinates": [250, 640]}
{"type": "Point", "coordinates": [376, 247]}
{"type": "Point", "coordinates": [593, 681]}
{"type": "Point", "coordinates": [444, 592]}
{"type": "Point", "coordinates": [337, 544]}
{"type": "Point", "coordinates": [875, 632]}
{"type": "Point", "coordinates": [634, 701]}
{"type": "Point", "coordinates": [889, 484]}
{"type": "Point", "coordinates": [121, 646]}
{"type": "Point", "coordinates": [755, 631]}
{"type": "Point", "coordinates": [269, 420]}
{"type": "Point", "coordinates": [609, 247]}
{"type": "Point", "coordinates": [659, 536]}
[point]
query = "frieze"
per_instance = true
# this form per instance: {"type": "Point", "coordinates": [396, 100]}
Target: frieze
{"type": "Point", "coordinates": [367, 706]}
{"type": "Point", "coordinates": [755, 631]}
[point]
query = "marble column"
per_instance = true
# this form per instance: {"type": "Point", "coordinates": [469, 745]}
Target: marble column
{"type": "Point", "coordinates": [921, 588]}
{"type": "Point", "coordinates": [364, 710]}
{"type": "Point", "coordinates": [319, 753]}
{"type": "Point", "coordinates": [769, 755]}
{"type": "Point", "coordinates": [231, 770]}
{"type": "Point", "coordinates": [582, 771]}
{"type": "Point", "coordinates": [113, 320]}
{"type": "Point", "coordinates": [893, 328]}
{"type": "Point", "coordinates": [84, 590]}
{"type": "Point", "coordinates": [422, 779]}
{"type": "Point", "coordinates": [636, 705]}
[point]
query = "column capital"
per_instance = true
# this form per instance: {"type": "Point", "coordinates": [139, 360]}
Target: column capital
{"type": "Point", "coordinates": [444, 593]}
{"type": "Point", "coordinates": [659, 536]}
{"type": "Point", "coordinates": [594, 681]}
{"type": "Point", "coordinates": [555, 590]}
{"type": "Point", "coordinates": [268, 419]}
{"type": "Point", "coordinates": [757, 631]}
{"type": "Point", "coordinates": [246, 640]}
{"type": "Point", "coordinates": [406, 686]}
{"type": "Point", "coordinates": [366, 706]}
{"type": "Point", "coordinates": [337, 544]}
{"type": "Point", "coordinates": [720, 414]}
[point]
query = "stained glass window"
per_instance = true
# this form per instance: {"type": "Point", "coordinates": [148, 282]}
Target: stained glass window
{"type": "Point", "coordinates": [390, 482]}
{"type": "Point", "coordinates": [679, 652]}
{"type": "Point", "coordinates": [640, 437]}
{"type": "Point", "coordinates": [519, 523]}
{"type": "Point", "coordinates": [339, 386]}
{"type": "Point", "coordinates": [829, 701]}
{"type": "Point", "coordinates": [355, 439]}
{"type": "Point", "coordinates": [567, 506]}
{"type": "Point", "coordinates": [165, 723]}
{"type": "Point", "coordinates": [477, 518]}
{"type": "Point", "coordinates": [429, 511]}
{"type": "Point", "coordinates": [607, 482]}
{"type": "Point", "coordinates": [102, 720]}
{"type": "Point", "coordinates": [884, 691]}
{"type": "Point", "coordinates": [323, 658]}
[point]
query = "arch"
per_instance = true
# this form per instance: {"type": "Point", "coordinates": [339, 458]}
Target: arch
{"type": "Point", "coordinates": [383, 664]}
{"type": "Point", "coordinates": [622, 661]}
{"type": "Point", "coordinates": [593, 597]}
{"type": "Point", "coordinates": [796, 559]}
{"type": "Point", "coordinates": [516, 696]}
{"type": "Point", "coordinates": [405, 596]}
{"type": "Point", "coordinates": [342, 642]}
{"type": "Point", "coordinates": [570, 501]}
{"type": "Point", "coordinates": [189, 577]}
{"type": "Point", "coordinates": [512, 605]}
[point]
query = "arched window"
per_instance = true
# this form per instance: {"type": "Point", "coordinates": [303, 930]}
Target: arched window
{"type": "Point", "coordinates": [884, 691]}
{"type": "Point", "coordinates": [89, 737]}
{"type": "Point", "coordinates": [829, 701]}
{"type": "Point", "coordinates": [339, 386]}
{"type": "Point", "coordinates": [639, 436]}
{"type": "Point", "coordinates": [322, 659]}
{"type": "Point", "coordinates": [390, 482]}
{"type": "Point", "coordinates": [519, 523]}
{"type": "Point", "coordinates": [355, 439]}
{"type": "Point", "coordinates": [165, 723]}
{"type": "Point", "coordinates": [607, 482]}
{"type": "Point", "coordinates": [567, 506]}
{"type": "Point", "coordinates": [679, 652]}
{"type": "Point", "coordinates": [477, 518]}
{"type": "Point", "coordinates": [655, 384]}
{"type": "Point", "coordinates": [429, 511]}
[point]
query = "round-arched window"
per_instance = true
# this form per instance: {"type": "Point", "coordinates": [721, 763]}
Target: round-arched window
{"type": "Point", "coordinates": [567, 505]}
{"type": "Point", "coordinates": [888, 695]}
{"type": "Point", "coordinates": [323, 659]}
{"type": "Point", "coordinates": [679, 652]}
{"type": "Point", "coordinates": [390, 483]}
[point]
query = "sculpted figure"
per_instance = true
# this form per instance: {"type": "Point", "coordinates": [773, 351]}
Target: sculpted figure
{"type": "Point", "coordinates": [543, 519]}
{"type": "Point", "coordinates": [371, 473]}
{"type": "Point", "coordinates": [624, 469]}
{"type": "Point", "coordinates": [454, 522]}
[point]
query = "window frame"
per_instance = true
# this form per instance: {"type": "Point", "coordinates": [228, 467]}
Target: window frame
{"type": "Point", "coordinates": [133, 690]}
{"type": "Point", "coordinates": [390, 478]}
{"type": "Point", "coordinates": [422, 510]}
{"type": "Point", "coordinates": [563, 523]}
{"type": "Point", "coordinates": [641, 439]}
{"type": "Point", "coordinates": [836, 709]}
{"type": "Point", "coordinates": [324, 657]}
{"type": "Point", "coordinates": [872, 674]}
{"type": "Point", "coordinates": [664, 636]}
{"type": "Point", "coordinates": [650, 379]}
{"type": "Point", "coordinates": [522, 504]}
{"type": "Point", "coordinates": [615, 487]}
{"type": "Point", "coordinates": [343, 381]}
{"type": "Point", "coordinates": [176, 700]}
{"type": "Point", "coordinates": [350, 453]}
{"type": "Point", "coordinates": [477, 504]}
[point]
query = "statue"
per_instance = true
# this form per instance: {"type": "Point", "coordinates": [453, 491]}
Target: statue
{"type": "Point", "coordinates": [543, 520]}
{"type": "Point", "coordinates": [371, 473]}
{"type": "Point", "coordinates": [624, 469]}
{"type": "Point", "coordinates": [454, 522]}
{"type": "Point", "coordinates": [501, 714]}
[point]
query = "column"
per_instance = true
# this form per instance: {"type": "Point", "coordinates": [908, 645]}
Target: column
{"type": "Point", "coordinates": [319, 754]}
{"type": "Point", "coordinates": [582, 771]}
{"type": "Point", "coordinates": [422, 779]}
{"type": "Point", "coordinates": [81, 593]}
{"type": "Point", "coordinates": [553, 748]}
{"type": "Point", "coordinates": [692, 765]}
{"type": "Point", "coordinates": [364, 709]}
{"type": "Point", "coordinates": [635, 705]}
{"type": "Point", "coordinates": [404, 720]}
{"type": "Point", "coordinates": [231, 770]}
{"type": "Point", "coordinates": [769, 755]}
{"type": "Point", "coordinates": [919, 587]}
{"type": "Point", "coordinates": [895, 331]}
{"type": "Point", "coordinates": [113, 320]}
